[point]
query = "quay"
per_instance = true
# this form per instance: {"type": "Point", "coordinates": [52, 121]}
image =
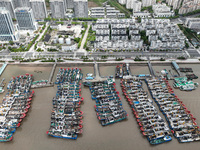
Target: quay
{"type": "Point", "coordinates": [97, 77]}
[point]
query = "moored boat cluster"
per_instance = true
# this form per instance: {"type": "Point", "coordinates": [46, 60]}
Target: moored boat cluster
{"type": "Point", "coordinates": [122, 70]}
{"type": "Point", "coordinates": [150, 122]}
{"type": "Point", "coordinates": [179, 118]}
{"type": "Point", "coordinates": [108, 102]}
{"type": "Point", "coordinates": [15, 105]}
{"type": "Point", "coordinates": [66, 117]}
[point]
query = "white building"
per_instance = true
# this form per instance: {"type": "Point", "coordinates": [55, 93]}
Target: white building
{"type": "Point", "coordinates": [57, 8]}
{"type": "Point", "coordinates": [8, 4]}
{"type": "Point", "coordinates": [81, 8]}
{"type": "Point", "coordinates": [193, 23]}
{"type": "Point", "coordinates": [25, 18]}
{"type": "Point", "coordinates": [174, 3]}
{"type": "Point", "coordinates": [7, 30]}
{"type": "Point", "coordinates": [21, 3]}
{"type": "Point", "coordinates": [129, 4]}
{"type": "Point", "coordinates": [137, 5]}
{"type": "Point", "coordinates": [141, 14]}
{"type": "Point", "coordinates": [189, 6]}
{"type": "Point", "coordinates": [39, 9]}
{"type": "Point", "coordinates": [123, 2]}
{"type": "Point", "coordinates": [147, 3]}
{"type": "Point", "coordinates": [162, 10]}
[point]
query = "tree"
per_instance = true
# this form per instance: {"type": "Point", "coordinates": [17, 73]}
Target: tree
{"type": "Point", "coordinates": [28, 34]}
{"type": "Point", "coordinates": [11, 42]}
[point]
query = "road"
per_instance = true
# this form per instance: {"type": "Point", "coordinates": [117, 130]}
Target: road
{"type": "Point", "coordinates": [81, 49]}
{"type": "Point", "coordinates": [40, 36]}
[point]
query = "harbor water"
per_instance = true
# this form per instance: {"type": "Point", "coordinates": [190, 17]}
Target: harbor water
{"type": "Point", "coordinates": [126, 135]}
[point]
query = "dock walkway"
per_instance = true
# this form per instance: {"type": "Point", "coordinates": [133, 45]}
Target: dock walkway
{"type": "Point", "coordinates": [52, 73]}
{"type": "Point", "coordinates": [151, 69]}
{"type": "Point", "coordinates": [97, 77]}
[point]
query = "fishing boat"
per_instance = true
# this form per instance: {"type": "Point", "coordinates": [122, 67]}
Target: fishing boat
{"type": "Point", "coordinates": [108, 104]}
{"type": "Point", "coordinates": [150, 122]}
{"type": "Point", "coordinates": [66, 117]}
{"type": "Point", "coordinates": [180, 120]}
{"type": "Point", "coordinates": [15, 105]}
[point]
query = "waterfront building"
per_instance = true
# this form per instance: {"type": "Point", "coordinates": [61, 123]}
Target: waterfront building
{"type": "Point", "coordinates": [25, 18]}
{"type": "Point", "coordinates": [81, 8]}
{"type": "Point", "coordinates": [8, 4]}
{"type": "Point", "coordinates": [39, 9]}
{"type": "Point", "coordinates": [57, 8]}
{"type": "Point", "coordinates": [8, 32]}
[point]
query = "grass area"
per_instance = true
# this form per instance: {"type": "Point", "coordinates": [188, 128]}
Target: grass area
{"type": "Point", "coordinates": [41, 23]}
{"type": "Point", "coordinates": [149, 9]}
{"type": "Point", "coordinates": [137, 58]}
{"type": "Point", "coordinates": [144, 37]}
{"type": "Point", "coordinates": [83, 33]}
{"type": "Point", "coordinates": [114, 3]}
{"type": "Point", "coordinates": [98, 2]}
{"type": "Point", "coordinates": [119, 59]}
{"type": "Point", "coordinates": [84, 19]}
{"type": "Point", "coordinates": [52, 50]}
{"type": "Point", "coordinates": [90, 38]}
{"type": "Point", "coordinates": [76, 23]}
{"type": "Point", "coordinates": [60, 22]}
{"type": "Point", "coordinates": [39, 50]}
{"type": "Point", "coordinates": [30, 60]}
{"type": "Point", "coordinates": [23, 48]}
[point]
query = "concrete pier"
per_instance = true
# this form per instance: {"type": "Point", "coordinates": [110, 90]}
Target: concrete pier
{"type": "Point", "coordinates": [97, 76]}
{"type": "Point", "coordinates": [151, 69]}
{"type": "Point", "coordinates": [52, 73]}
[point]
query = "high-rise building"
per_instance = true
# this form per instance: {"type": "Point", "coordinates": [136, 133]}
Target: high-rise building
{"type": "Point", "coordinates": [8, 4]}
{"type": "Point", "coordinates": [7, 30]}
{"type": "Point", "coordinates": [21, 3]}
{"type": "Point", "coordinates": [69, 4]}
{"type": "Point", "coordinates": [129, 4]}
{"type": "Point", "coordinates": [25, 18]}
{"type": "Point", "coordinates": [174, 3]}
{"type": "Point", "coordinates": [57, 8]}
{"type": "Point", "coordinates": [137, 6]}
{"type": "Point", "coordinates": [81, 8]}
{"type": "Point", "coordinates": [146, 3]}
{"type": "Point", "coordinates": [39, 9]}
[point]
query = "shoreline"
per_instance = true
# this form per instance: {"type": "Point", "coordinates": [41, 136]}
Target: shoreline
{"type": "Point", "coordinates": [105, 63]}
